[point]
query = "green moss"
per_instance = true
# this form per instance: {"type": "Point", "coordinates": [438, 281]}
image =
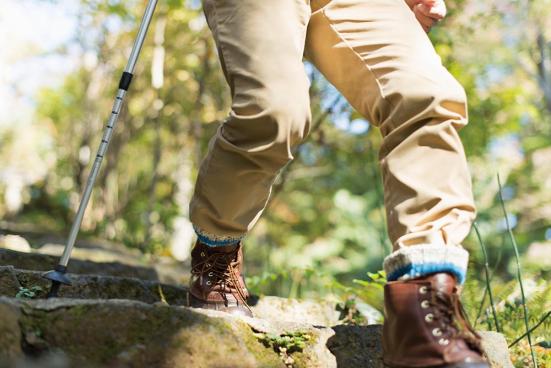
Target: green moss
{"type": "Point", "coordinates": [289, 341]}
{"type": "Point", "coordinates": [257, 349]}
{"type": "Point", "coordinates": [29, 293]}
{"type": "Point", "coordinates": [303, 358]}
{"type": "Point", "coordinates": [289, 345]}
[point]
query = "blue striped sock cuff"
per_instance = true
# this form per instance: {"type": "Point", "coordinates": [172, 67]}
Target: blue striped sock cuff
{"type": "Point", "coordinates": [216, 240]}
{"type": "Point", "coordinates": [420, 260]}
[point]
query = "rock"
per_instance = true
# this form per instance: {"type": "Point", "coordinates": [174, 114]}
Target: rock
{"type": "Point", "coordinates": [92, 254]}
{"type": "Point", "coordinates": [320, 313]}
{"type": "Point", "coordinates": [9, 285]}
{"type": "Point", "coordinates": [112, 319]}
{"type": "Point", "coordinates": [124, 333]}
{"type": "Point", "coordinates": [167, 269]}
{"type": "Point", "coordinates": [349, 341]}
{"type": "Point", "coordinates": [94, 287]}
{"type": "Point", "coordinates": [269, 308]}
{"type": "Point", "coordinates": [496, 349]}
{"type": "Point", "coordinates": [357, 346]}
{"type": "Point", "coordinates": [14, 242]}
{"type": "Point", "coordinates": [42, 262]}
{"type": "Point", "coordinates": [10, 333]}
{"type": "Point", "coordinates": [314, 312]}
{"type": "Point", "coordinates": [120, 333]}
{"type": "Point", "coordinates": [109, 254]}
{"type": "Point", "coordinates": [52, 359]}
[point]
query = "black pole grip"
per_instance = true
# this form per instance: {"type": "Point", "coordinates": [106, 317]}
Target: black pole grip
{"type": "Point", "coordinates": [126, 78]}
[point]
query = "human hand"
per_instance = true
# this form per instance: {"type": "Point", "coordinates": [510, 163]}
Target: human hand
{"type": "Point", "coordinates": [427, 12]}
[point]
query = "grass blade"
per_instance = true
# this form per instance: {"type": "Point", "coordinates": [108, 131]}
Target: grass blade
{"type": "Point", "coordinates": [519, 272]}
{"type": "Point", "coordinates": [487, 274]}
{"type": "Point", "coordinates": [480, 307]}
{"type": "Point", "coordinates": [530, 330]}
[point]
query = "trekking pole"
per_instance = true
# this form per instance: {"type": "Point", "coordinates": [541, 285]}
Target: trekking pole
{"type": "Point", "coordinates": [57, 276]}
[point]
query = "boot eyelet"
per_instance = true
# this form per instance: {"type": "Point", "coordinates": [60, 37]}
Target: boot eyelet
{"type": "Point", "coordinates": [202, 254]}
{"type": "Point", "coordinates": [437, 332]}
{"type": "Point", "coordinates": [429, 317]}
{"type": "Point", "coordinates": [210, 274]}
{"type": "Point", "coordinates": [444, 342]}
{"type": "Point", "coordinates": [425, 304]}
{"type": "Point", "coordinates": [208, 282]}
{"type": "Point", "coordinates": [423, 290]}
{"type": "Point", "coordinates": [208, 264]}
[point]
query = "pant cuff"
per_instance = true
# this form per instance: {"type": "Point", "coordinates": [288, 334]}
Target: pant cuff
{"type": "Point", "coordinates": [420, 260]}
{"type": "Point", "coordinates": [216, 240]}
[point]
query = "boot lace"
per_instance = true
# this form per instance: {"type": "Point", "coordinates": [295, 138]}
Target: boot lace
{"type": "Point", "coordinates": [222, 270]}
{"type": "Point", "coordinates": [450, 311]}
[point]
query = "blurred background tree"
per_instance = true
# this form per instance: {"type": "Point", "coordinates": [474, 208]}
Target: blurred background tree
{"type": "Point", "coordinates": [325, 227]}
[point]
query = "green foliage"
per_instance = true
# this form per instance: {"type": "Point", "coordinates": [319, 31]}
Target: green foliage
{"type": "Point", "coordinates": [510, 314]}
{"type": "Point", "coordinates": [371, 290]}
{"type": "Point", "coordinates": [295, 283]}
{"type": "Point", "coordinates": [29, 293]}
{"type": "Point", "coordinates": [349, 313]}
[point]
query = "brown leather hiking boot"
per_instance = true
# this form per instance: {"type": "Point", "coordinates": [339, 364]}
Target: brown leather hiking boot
{"type": "Point", "coordinates": [425, 326]}
{"type": "Point", "coordinates": [216, 280]}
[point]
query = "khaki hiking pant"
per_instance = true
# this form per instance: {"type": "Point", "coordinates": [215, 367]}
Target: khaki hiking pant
{"type": "Point", "coordinates": [378, 56]}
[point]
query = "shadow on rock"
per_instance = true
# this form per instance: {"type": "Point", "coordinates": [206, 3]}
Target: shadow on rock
{"type": "Point", "coordinates": [357, 346]}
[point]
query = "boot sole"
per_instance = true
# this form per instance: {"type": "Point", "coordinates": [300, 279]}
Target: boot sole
{"type": "Point", "coordinates": [454, 365]}
{"type": "Point", "coordinates": [466, 365]}
{"type": "Point", "coordinates": [195, 302]}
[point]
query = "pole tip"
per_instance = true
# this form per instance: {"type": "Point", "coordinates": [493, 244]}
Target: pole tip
{"type": "Point", "coordinates": [57, 277]}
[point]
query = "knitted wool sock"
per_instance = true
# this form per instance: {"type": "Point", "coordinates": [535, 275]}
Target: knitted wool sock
{"type": "Point", "coordinates": [420, 260]}
{"type": "Point", "coordinates": [216, 240]}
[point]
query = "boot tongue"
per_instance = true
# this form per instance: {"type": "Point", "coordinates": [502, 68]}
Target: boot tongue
{"type": "Point", "coordinates": [443, 282]}
{"type": "Point", "coordinates": [201, 247]}
{"type": "Point", "coordinates": [224, 248]}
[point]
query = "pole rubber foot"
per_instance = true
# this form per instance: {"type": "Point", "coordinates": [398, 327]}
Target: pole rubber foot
{"type": "Point", "coordinates": [57, 277]}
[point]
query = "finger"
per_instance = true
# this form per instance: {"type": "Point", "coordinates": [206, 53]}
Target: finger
{"type": "Point", "coordinates": [412, 3]}
{"type": "Point", "coordinates": [425, 21]}
{"type": "Point", "coordinates": [433, 13]}
{"type": "Point", "coordinates": [436, 8]}
{"type": "Point", "coordinates": [429, 3]}
{"type": "Point", "coordinates": [422, 17]}
{"type": "Point", "coordinates": [439, 9]}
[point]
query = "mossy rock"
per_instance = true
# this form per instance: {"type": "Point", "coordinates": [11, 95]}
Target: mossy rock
{"type": "Point", "coordinates": [43, 262]}
{"type": "Point", "coordinates": [94, 287]}
{"type": "Point", "coordinates": [119, 333]}
{"type": "Point", "coordinates": [124, 333]}
{"type": "Point", "coordinates": [118, 318]}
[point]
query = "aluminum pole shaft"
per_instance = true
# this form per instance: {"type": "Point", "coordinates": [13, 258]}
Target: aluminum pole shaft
{"type": "Point", "coordinates": [108, 131]}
